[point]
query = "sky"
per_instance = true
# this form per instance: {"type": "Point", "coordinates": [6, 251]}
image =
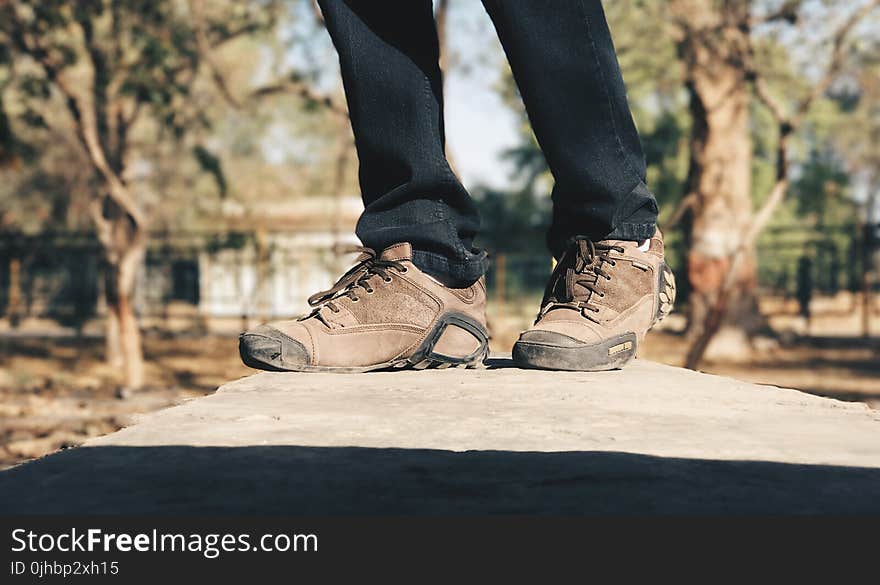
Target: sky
{"type": "Point", "coordinates": [479, 126]}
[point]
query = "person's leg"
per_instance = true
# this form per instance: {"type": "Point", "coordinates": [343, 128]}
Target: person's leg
{"type": "Point", "coordinates": [388, 52]}
{"type": "Point", "coordinates": [611, 284]}
{"type": "Point", "coordinates": [563, 60]}
{"type": "Point", "coordinates": [415, 299]}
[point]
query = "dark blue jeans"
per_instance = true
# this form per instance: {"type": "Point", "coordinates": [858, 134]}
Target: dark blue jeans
{"type": "Point", "coordinates": [566, 69]}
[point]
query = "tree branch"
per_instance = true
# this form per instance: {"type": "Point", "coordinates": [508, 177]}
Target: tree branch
{"type": "Point", "coordinates": [788, 124]}
{"type": "Point", "coordinates": [205, 50]}
{"type": "Point", "coordinates": [85, 123]}
{"type": "Point", "coordinates": [686, 203]}
{"type": "Point", "coordinates": [840, 43]}
{"type": "Point", "coordinates": [787, 11]}
{"type": "Point", "coordinates": [775, 106]}
{"type": "Point", "coordinates": [316, 11]}
{"type": "Point", "coordinates": [302, 90]}
{"type": "Point", "coordinates": [285, 85]}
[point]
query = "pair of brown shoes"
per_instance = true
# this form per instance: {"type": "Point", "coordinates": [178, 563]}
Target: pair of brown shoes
{"type": "Point", "coordinates": [601, 300]}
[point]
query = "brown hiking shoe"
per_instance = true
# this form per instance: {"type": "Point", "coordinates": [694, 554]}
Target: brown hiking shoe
{"type": "Point", "coordinates": [601, 300]}
{"type": "Point", "coordinates": [383, 313]}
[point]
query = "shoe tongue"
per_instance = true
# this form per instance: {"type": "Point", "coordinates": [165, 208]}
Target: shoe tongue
{"type": "Point", "coordinates": [570, 281]}
{"type": "Point", "coordinates": [576, 273]}
{"type": "Point", "coordinates": [401, 251]}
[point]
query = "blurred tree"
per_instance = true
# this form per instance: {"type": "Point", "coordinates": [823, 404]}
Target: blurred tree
{"type": "Point", "coordinates": [858, 139]}
{"type": "Point", "coordinates": [724, 56]}
{"type": "Point", "coordinates": [703, 78]}
{"type": "Point", "coordinates": [712, 40]}
{"type": "Point", "coordinates": [820, 188]}
{"type": "Point", "coordinates": [113, 68]}
{"type": "Point", "coordinates": [653, 78]}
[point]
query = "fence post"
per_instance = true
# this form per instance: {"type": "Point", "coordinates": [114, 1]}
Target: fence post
{"type": "Point", "coordinates": [866, 277]}
{"type": "Point", "coordinates": [169, 282]}
{"type": "Point", "coordinates": [263, 284]}
{"type": "Point", "coordinates": [14, 291]}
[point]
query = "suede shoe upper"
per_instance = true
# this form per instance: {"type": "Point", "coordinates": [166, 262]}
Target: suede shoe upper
{"type": "Point", "coordinates": [602, 289]}
{"type": "Point", "coordinates": [379, 312]}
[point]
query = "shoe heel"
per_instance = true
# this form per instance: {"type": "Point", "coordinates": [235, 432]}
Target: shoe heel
{"type": "Point", "coordinates": [426, 357]}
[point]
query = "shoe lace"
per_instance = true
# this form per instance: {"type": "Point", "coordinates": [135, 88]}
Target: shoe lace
{"type": "Point", "coordinates": [359, 276]}
{"type": "Point", "coordinates": [581, 265]}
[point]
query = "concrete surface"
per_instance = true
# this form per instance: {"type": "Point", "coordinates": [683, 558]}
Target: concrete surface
{"type": "Point", "coordinates": [650, 439]}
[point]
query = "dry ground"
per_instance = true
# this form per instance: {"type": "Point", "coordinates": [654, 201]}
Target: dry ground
{"type": "Point", "coordinates": [56, 393]}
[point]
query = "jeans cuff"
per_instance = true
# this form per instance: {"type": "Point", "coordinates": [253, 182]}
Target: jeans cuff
{"type": "Point", "coordinates": [636, 232]}
{"type": "Point", "coordinates": [454, 273]}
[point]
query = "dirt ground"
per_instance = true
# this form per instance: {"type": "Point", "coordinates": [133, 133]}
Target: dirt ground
{"type": "Point", "coordinates": [57, 392]}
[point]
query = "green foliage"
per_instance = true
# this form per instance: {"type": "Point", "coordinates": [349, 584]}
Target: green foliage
{"type": "Point", "coordinates": [654, 84]}
{"type": "Point", "coordinates": [513, 222]}
{"type": "Point", "coordinates": [821, 187]}
{"type": "Point", "coordinates": [151, 73]}
{"type": "Point", "coordinates": [142, 51]}
{"type": "Point", "coordinates": [210, 163]}
{"type": "Point", "coordinates": [664, 140]}
{"type": "Point", "coordinates": [835, 151]}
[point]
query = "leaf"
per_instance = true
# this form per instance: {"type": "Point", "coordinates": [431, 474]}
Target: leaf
{"type": "Point", "coordinates": [33, 119]}
{"type": "Point", "coordinates": [35, 86]}
{"type": "Point", "coordinates": [211, 164]}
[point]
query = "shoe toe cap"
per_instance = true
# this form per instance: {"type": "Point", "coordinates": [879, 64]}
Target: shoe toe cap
{"type": "Point", "coordinates": [268, 348]}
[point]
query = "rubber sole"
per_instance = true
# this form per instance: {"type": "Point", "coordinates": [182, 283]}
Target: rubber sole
{"type": "Point", "coordinates": [667, 290]}
{"type": "Point", "coordinates": [423, 358]}
{"type": "Point", "coordinates": [610, 354]}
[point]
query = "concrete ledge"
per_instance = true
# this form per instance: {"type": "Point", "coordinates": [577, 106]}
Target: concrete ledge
{"type": "Point", "coordinates": [650, 439]}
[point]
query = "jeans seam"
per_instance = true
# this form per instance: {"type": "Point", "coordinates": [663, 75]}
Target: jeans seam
{"type": "Point", "coordinates": [441, 162]}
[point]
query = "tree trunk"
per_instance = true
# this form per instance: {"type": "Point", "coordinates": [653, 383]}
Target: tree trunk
{"type": "Point", "coordinates": [123, 332]}
{"type": "Point", "coordinates": [13, 309]}
{"type": "Point", "coordinates": [719, 178]}
{"type": "Point", "coordinates": [102, 114]}
{"type": "Point", "coordinates": [112, 344]}
{"type": "Point", "coordinates": [123, 240]}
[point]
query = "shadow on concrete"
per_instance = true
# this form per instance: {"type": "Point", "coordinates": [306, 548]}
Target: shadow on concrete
{"type": "Point", "coordinates": [293, 480]}
{"type": "Point", "coordinates": [500, 362]}
{"type": "Point", "coordinates": [870, 398]}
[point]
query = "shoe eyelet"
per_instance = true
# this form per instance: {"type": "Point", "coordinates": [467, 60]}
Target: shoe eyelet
{"type": "Point", "coordinates": [389, 279]}
{"type": "Point", "coordinates": [355, 299]}
{"type": "Point", "coordinates": [371, 291]}
{"type": "Point", "coordinates": [403, 270]}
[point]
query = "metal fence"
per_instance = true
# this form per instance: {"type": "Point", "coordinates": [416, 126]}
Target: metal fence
{"type": "Point", "coordinates": [262, 275]}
